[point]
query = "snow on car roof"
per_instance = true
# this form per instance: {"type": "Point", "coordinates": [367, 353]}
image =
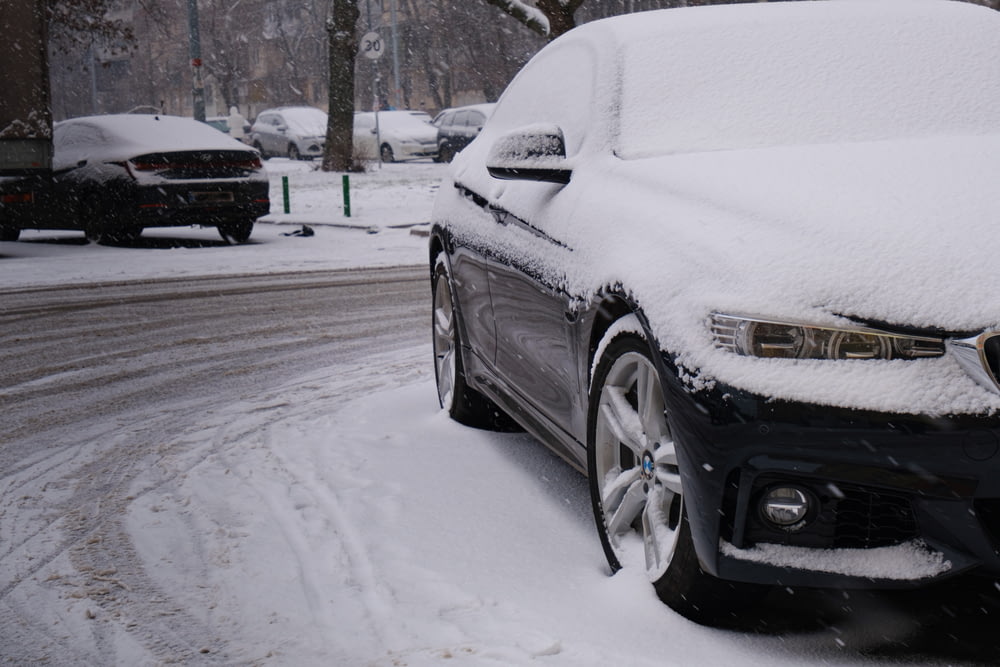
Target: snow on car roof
{"type": "Point", "coordinates": [305, 120]}
{"type": "Point", "coordinates": [120, 136]}
{"type": "Point", "coordinates": [721, 78]}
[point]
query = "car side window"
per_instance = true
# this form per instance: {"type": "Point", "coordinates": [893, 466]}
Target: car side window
{"type": "Point", "coordinates": [557, 87]}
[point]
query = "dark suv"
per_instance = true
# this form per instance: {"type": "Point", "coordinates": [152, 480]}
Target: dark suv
{"type": "Point", "coordinates": [458, 126]}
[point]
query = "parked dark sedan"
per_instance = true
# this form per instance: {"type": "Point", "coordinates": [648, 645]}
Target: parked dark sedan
{"type": "Point", "coordinates": [457, 127]}
{"type": "Point", "coordinates": [115, 175]}
{"type": "Point", "coordinates": [735, 263]}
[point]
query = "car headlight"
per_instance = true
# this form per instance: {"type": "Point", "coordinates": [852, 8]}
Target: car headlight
{"type": "Point", "coordinates": [755, 337]}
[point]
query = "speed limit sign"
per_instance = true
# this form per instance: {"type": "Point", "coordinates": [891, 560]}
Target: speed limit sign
{"type": "Point", "coordinates": [372, 46]}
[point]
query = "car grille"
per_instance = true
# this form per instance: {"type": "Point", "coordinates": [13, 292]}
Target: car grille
{"type": "Point", "coordinates": [867, 519]}
{"type": "Point", "coordinates": [197, 164]}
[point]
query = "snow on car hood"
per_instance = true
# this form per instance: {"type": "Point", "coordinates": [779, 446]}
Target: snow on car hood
{"type": "Point", "coordinates": [898, 231]}
{"type": "Point", "coordinates": [895, 231]}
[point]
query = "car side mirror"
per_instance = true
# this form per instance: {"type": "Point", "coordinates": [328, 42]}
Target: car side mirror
{"type": "Point", "coordinates": [531, 153]}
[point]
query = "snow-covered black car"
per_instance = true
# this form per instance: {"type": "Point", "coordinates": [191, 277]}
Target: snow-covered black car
{"type": "Point", "coordinates": [115, 175]}
{"type": "Point", "coordinates": [736, 264]}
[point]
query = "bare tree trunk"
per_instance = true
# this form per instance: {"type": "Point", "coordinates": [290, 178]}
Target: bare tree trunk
{"type": "Point", "coordinates": [560, 15]}
{"type": "Point", "coordinates": [338, 153]}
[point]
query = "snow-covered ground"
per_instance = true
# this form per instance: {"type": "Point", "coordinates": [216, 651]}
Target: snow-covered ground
{"type": "Point", "coordinates": [343, 519]}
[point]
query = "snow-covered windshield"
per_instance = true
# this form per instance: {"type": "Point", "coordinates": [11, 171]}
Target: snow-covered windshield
{"type": "Point", "coordinates": [709, 81]}
{"type": "Point", "coordinates": [305, 121]}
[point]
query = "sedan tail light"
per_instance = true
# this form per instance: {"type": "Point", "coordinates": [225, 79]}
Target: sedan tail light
{"type": "Point", "coordinates": [196, 164]}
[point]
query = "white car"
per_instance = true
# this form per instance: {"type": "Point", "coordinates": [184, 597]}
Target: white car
{"type": "Point", "coordinates": [394, 135]}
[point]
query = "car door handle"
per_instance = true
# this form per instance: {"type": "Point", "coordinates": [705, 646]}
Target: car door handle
{"type": "Point", "coordinates": [499, 215]}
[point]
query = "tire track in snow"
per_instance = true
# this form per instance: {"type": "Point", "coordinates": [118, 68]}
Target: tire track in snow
{"type": "Point", "coordinates": [107, 431]}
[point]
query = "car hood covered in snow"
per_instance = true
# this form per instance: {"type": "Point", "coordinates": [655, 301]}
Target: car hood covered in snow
{"type": "Point", "coordinates": [897, 232]}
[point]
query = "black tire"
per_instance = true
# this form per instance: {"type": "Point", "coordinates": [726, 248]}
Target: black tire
{"type": "Point", "coordinates": [293, 152]}
{"type": "Point", "coordinates": [464, 404]}
{"type": "Point", "coordinates": [386, 152]}
{"type": "Point", "coordinates": [8, 233]}
{"type": "Point", "coordinates": [635, 486]}
{"type": "Point", "coordinates": [446, 153]}
{"type": "Point", "coordinates": [236, 232]}
{"type": "Point", "coordinates": [259, 149]}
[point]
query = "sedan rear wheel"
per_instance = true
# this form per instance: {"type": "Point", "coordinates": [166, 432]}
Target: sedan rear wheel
{"type": "Point", "coordinates": [387, 154]}
{"type": "Point", "coordinates": [9, 233]}
{"type": "Point", "coordinates": [636, 489]}
{"type": "Point", "coordinates": [236, 232]}
{"type": "Point", "coordinates": [464, 404]}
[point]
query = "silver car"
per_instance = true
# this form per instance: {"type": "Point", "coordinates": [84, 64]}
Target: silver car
{"type": "Point", "coordinates": [294, 132]}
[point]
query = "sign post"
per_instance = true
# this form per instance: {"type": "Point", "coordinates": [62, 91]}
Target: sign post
{"type": "Point", "coordinates": [372, 47]}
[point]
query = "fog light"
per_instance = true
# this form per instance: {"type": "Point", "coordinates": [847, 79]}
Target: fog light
{"type": "Point", "coordinates": [785, 507]}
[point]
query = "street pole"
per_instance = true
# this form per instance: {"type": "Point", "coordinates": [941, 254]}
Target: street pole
{"type": "Point", "coordinates": [198, 89]}
{"type": "Point", "coordinates": [395, 58]}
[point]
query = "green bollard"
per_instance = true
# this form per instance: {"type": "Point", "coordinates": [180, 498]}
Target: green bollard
{"type": "Point", "coordinates": [347, 196]}
{"type": "Point", "coordinates": [284, 190]}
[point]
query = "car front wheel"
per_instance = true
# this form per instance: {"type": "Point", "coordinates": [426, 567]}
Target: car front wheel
{"type": "Point", "coordinates": [387, 154]}
{"type": "Point", "coordinates": [9, 233]}
{"type": "Point", "coordinates": [293, 152]}
{"type": "Point", "coordinates": [635, 484]}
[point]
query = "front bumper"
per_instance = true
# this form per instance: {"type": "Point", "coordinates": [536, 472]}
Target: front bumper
{"type": "Point", "coordinates": [409, 151]}
{"type": "Point", "coordinates": [898, 500]}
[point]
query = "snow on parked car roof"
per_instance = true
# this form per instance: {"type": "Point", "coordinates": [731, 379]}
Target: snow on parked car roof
{"type": "Point", "coordinates": [121, 136]}
{"type": "Point", "coordinates": [798, 73]}
{"type": "Point", "coordinates": [305, 120]}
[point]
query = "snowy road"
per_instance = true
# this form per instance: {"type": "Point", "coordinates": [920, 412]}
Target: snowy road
{"type": "Point", "coordinates": [112, 392]}
{"type": "Point", "coordinates": [253, 470]}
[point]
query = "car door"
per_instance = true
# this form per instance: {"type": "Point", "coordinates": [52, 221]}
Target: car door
{"type": "Point", "coordinates": [364, 136]}
{"type": "Point", "coordinates": [269, 135]}
{"type": "Point", "coordinates": [537, 351]}
{"type": "Point", "coordinates": [534, 320]}
{"type": "Point", "coordinates": [473, 124]}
